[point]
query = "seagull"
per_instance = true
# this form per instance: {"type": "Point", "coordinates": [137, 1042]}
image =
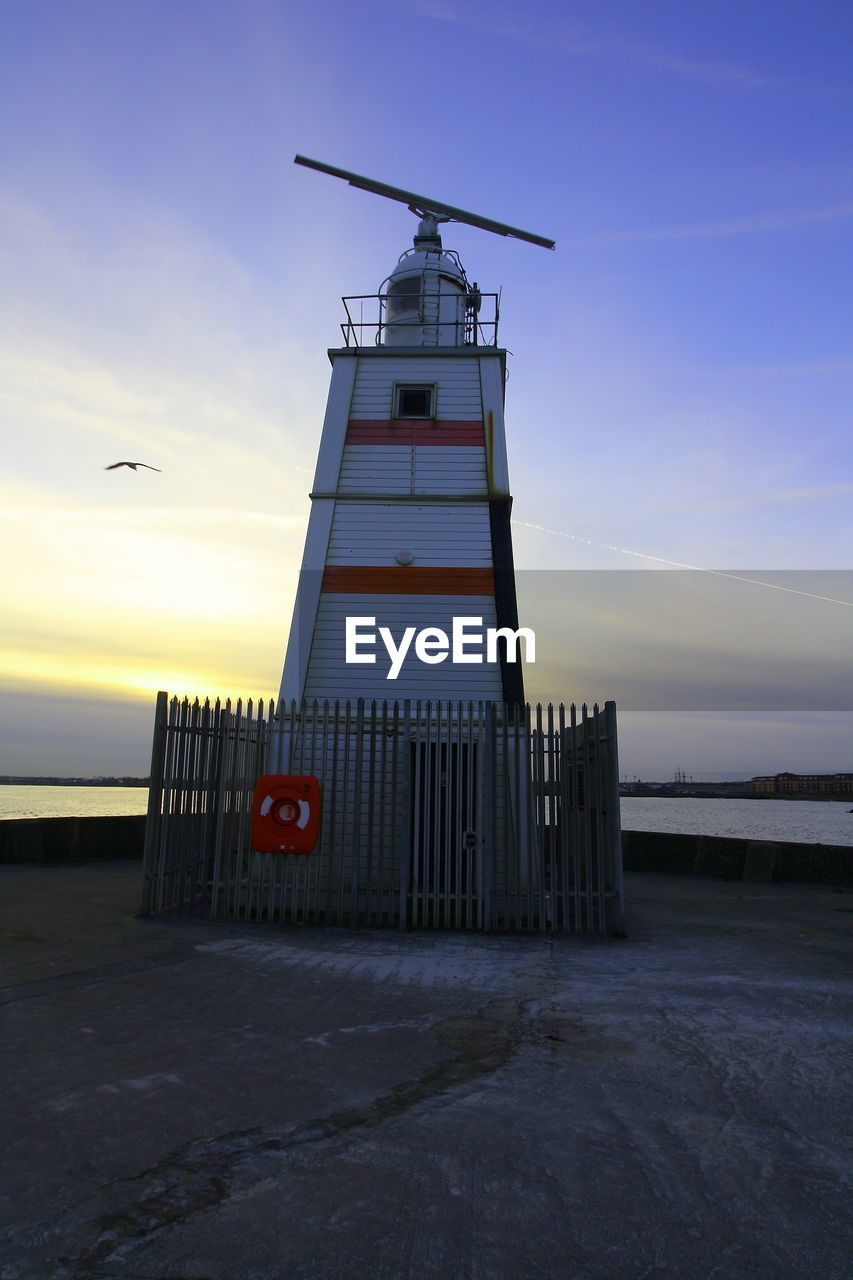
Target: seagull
{"type": "Point", "coordinates": [132, 465]}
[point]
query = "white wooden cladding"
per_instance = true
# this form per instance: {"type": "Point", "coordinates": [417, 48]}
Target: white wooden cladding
{"type": "Point", "coordinates": [400, 469]}
{"type": "Point", "coordinates": [330, 676]}
{"type": "Point", "coordinates": [457, 382]}
{"type": "Point", "coordinates": [449, 815]}
{"type": "Point", "coordinates": [450, 470]}
{"type": "Point", "coordinates": [372, 533]}
{"type": "Point", "coordinates": [376, 469]}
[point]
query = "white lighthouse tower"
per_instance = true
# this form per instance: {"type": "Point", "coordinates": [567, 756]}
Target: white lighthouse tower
{"type": "Point", "coordinates": [409, 532]}
{"type": "Point", "coordinates": [401, 779]}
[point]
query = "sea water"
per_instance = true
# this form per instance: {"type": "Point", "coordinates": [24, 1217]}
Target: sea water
{"type": "Point", "coordinates": [71, 802]}
{"type": "Point", "coordinates": [802, 821]}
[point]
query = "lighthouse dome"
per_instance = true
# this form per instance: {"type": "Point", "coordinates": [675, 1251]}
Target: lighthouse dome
{"type": "Point", "coordinates": [425, 298]}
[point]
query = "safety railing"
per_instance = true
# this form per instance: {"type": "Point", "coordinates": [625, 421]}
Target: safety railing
{"type": "Point", "coordinates": [368, 322]}
{"type": "Point", "coordinates": [459, 815]}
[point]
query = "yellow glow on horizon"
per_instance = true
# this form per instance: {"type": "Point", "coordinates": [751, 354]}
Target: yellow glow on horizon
{"type": "Point", "coordinates": [129, 568]}
{"type": "Point", "coordinates": [59, 673]}
{"type": "Point", "coordinates": [119, 604]}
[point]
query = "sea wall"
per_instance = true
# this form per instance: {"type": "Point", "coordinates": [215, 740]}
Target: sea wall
{"type": "Point", "coordinates": [50, 840]}
{"type": "Point", "coordinates": [71, 839]}
{"type": "Point", "coordinates": [733, 859]}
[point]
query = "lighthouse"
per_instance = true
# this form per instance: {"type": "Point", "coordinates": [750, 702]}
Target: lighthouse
{"type": "Point", "coordinates": [407, 587]}
{"type": "Point", "coordinates": [400, 779]}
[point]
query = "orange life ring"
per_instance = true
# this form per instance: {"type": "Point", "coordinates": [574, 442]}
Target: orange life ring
{"type": "Point", "coordinates": [285, 814]}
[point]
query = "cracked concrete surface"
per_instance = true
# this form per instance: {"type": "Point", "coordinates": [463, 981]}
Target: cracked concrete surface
{"type": "Point", "coordinates": [185, 1101]}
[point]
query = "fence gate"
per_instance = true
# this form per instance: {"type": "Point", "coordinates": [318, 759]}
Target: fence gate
{"type": "Point", "coordinates": [451, 815]}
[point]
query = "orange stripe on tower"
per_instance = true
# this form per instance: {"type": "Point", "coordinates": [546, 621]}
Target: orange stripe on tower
{"type": "Point", "coordinates": [415, 431]}
{"type": "Point", "coordinates": [408, 580]}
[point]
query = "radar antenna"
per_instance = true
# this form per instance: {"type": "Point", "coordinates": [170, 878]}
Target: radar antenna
{"type": "Point", "coordinates": [423, 206]}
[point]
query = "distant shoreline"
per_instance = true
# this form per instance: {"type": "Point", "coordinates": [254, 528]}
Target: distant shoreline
{"type": "Point", "coordinates": [659, 791]}
{"type": "Point", "coordinates": [7, 780]}
{"type": "Point", "coordinates": [650, 793]}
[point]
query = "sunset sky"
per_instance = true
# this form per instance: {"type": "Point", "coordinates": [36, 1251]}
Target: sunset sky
{"type": "Point", "coordinates": [681, 368]}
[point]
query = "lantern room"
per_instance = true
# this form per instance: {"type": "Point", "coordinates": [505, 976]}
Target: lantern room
{"type": "Point", "coordinates": [427, 300]}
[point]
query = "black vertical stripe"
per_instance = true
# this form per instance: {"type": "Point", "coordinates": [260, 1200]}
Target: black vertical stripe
{"type": "Point", "coordinates": [506, 602]}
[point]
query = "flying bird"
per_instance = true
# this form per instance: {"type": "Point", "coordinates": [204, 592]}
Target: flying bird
{"type": "Point", "coordinates": [132, 465]}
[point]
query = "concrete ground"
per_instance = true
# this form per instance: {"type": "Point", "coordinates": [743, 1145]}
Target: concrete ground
{"type": "Point", "coordinates": [216, 1102]}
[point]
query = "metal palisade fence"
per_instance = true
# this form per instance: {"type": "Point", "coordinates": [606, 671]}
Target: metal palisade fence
{"type": "Point", "coordinates": [451, 815]}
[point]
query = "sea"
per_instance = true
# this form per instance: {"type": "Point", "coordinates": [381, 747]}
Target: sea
{"type": "Point", "coordinates": [18, 801]}
{"type": "Point", "coordinates": [802, 821]}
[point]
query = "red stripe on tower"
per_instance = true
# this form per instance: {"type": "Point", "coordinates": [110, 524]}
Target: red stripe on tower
{"type": "Point", "coordinates": [413, 431]}
{"type": "Point", "coordinates": [408, 580]}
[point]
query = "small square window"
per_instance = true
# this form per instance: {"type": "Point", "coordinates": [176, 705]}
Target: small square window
{"type": "Point", "coordinates": [414, 402]}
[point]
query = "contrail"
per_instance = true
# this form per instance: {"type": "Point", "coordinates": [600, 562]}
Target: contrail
{"type": "Point", "coordinates": [678, 564]}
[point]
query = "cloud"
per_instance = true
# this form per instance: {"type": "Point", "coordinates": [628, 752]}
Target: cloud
{"type": "Point", "coordinates": [758, 224]}
{"type": "Point", "coordinates": [782, 497]}
{"type": "Point", "coordinates": [123, 324]}
{"type": "Point", "coordinates": [727, 745]}
{"type": "Point", "coordinates": [160, 516]}
{"type": "Point", "coordinates": [669, 640]}
{"type": "Point", "coordinates": [751, 579]}
{"type": "Point", "coordinates": [804, 368]}
{"type": "Point", "coordinates": [95, 734]}
{"type": "Point", "coordinates": [605, 42]}
{"type": "Point", "coordinates": [193, 600]}
{"type": "Point", "coordinates": [135, 662]}
{"type": "Point", "coordinates": [118, 565]}
{"type": "Point", "coordinates": [133, 335]}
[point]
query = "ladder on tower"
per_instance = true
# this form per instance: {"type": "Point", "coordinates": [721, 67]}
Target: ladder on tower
{"type": "Point", "coordinates": [431, 302]}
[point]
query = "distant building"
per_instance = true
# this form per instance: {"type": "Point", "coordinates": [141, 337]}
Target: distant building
{"type": "Point", "coordinates": [784, 784]}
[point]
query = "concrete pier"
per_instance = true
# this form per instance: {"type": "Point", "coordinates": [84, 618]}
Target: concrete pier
{"type": "Point", "coordinates": [187, 1100]}
{"type": "Point", "coordinates": [732, 859]}
{"type": "Point", "coordinates": [72, 840]}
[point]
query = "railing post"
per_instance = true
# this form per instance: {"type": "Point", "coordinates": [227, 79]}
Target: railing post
{"type": "Point", "coordinates": [154, 816]}
{"type": "Point", "coordinates": [403, 748]}
{"type": "Point", "coordinates": [488, 720]}
{"type": "Point", "coordinates": [220, 783]}
{"type": "Point", "coordinates": [616, 896]}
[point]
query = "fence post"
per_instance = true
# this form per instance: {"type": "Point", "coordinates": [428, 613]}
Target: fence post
{"type": "Point", "coordinates": [220, 782]}
{"type": "Point", "coordinates": [616, 898]}
{"type": "Point", "coordinates": [402, 748]}
{"type": "Point", "coordinates": [488, 720]}
{"type": "Point", "coordinates": [355, 867]}
{"type": "Point", "coordinates": [153, 818]}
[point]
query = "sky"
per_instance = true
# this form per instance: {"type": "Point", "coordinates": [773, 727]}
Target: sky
{"type": "Point", "coordinates": [680, 368]}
